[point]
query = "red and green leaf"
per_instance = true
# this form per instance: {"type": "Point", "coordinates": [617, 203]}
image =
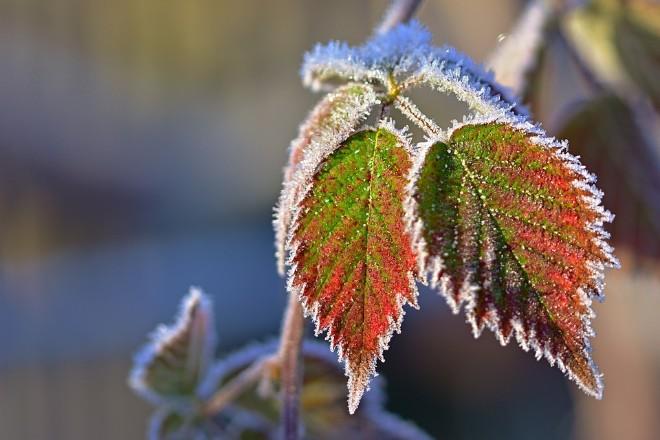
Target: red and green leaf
{"type": "Point", "coordinates": [333, 119]}
{"type": "Point", "coordinates": [352, 261]}
{"type": "Point", "coordinates": [511, 225]}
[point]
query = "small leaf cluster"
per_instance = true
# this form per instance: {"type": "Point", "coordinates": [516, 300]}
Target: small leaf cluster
{"type": "Point", "coordinates": [492, 212]}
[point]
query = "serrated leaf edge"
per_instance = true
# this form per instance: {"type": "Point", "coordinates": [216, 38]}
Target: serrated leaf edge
{"type": "Point", "coordinates": [321, 145]}
{"type": "Point", "coordinates": [468, 291]}
{"type": "Point", "coordinates": [357, 385]}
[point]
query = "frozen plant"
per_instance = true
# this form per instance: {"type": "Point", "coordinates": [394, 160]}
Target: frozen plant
{"type": "Point", "coordinates": [490, 211]}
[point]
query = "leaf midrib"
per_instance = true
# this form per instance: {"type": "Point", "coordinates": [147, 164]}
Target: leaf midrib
{"type": "Point", "coordinates": [496, 224]}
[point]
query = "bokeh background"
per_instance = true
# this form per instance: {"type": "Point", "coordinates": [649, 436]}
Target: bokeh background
{"type": "Point", "coordinates": [141, 148]}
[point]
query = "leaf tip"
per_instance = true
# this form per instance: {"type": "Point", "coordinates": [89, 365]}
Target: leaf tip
{"type": "Point", "coordinates": [358, 383]}
{"type": "Point", "coordinates": [191, 335]}
{"type": "Point", "coordinates": [359, 374]}
{"type": "Point", "coordinates": [589, 380]}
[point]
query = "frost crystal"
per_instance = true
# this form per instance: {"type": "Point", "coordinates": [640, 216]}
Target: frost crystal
{"type": "Point", "coordinates": [333, 119]}
{"type": "Point", "coordinates": [406, 53]}
{"type": "Point", "coordinates": [499, 216]}
{"type": "Point", "coordinates": [352, 265]}
{"type": "Point", "coordinates": [509, 223]}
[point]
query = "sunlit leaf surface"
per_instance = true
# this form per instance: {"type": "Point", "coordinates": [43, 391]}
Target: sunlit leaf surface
{"type": "Point", "coordinates": [352, 259]}
{"type": "Point", "coordinates": [511, 226]}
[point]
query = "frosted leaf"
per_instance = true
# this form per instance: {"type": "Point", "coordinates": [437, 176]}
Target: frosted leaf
{"type": "Point", "coordinates": [170, 367]}
{"type": "Point", "coordinates": [610, 138]}
{"type": "Point", "coordinates": [331, 121]}
{"type": "Point", "coordinates": [449, 71]}
{"type": "Point", "coordinates": [406, 54]}
{"type": "Point", "coordinates": [510, 224]}
{"type": "Point", "coordinates": [352, 264]}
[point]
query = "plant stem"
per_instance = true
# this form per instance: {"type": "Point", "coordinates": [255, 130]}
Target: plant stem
{"type": "Point", "coordinates": [238, 385]}
{"type": "Point", "coordinates": [291, 367]}
{"type": "Point", "coordinates": [400, 11]}
{"type": "Point", "coordinates": [410, 110]}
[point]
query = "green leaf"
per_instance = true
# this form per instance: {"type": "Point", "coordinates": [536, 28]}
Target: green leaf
{"type": "Point", "coordinates": [351, 256]}
{"type": "Point", "coordinates": [620, 43]}
{"type": "Point", "coordinates": [609, 139]}
{"type": "Point", "coordinates": [169, 369]}
{"type": "Point", "coordinates": [333, 119]}
{"type": "Point", "coordinates": [511, 225]}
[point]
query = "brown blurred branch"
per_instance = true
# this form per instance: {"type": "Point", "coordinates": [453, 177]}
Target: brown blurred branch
{"type": "Point", "coordinates": [400, 11]}
{"type": "Point", "coordinates": [516, 57]}
{"type": "Point", "coordinates": [291, 367]}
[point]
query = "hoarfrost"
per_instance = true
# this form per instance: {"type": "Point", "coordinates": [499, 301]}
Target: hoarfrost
{"type": "Point", "coordinates": [406, 54]}
{"type": "Point", "coordinates": [527, 340]}
{"type": "Point", "coordinates": [333, 119]}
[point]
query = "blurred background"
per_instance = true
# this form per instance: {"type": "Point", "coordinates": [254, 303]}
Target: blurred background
{"type": "Point", "coordinates": [141, 149]}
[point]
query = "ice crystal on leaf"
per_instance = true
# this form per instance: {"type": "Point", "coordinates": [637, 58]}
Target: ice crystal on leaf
{"type": "Point", "coordinates": [406, 55]}
{"type": "Point", "coordinates": [330, 122]}
{"type": "Point", "coordinates": [352, 259]}
{"type": "Point", "coordinates": [500, 216]}
{"type": "Point", "coordinates": [512, 226]}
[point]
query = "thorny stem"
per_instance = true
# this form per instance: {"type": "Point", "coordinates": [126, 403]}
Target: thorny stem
{"type": "Point", "coordinates": [238, 385]}
{"type": "Point", "coordinates": [400, 11]}
{"type": "Point", "coordinates": [290, 366]}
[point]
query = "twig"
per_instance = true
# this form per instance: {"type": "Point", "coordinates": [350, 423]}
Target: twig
{"type": "Point", "coordinates": [290, 366]}
{"type": "Point", "coordinates": [238, 385]}
{"type": "Point", "coordinates": [412, 112]}
{"type": "Point", "coordinates": [516, 57]}
{"type": "Point", "coordinates": [400, 11]}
